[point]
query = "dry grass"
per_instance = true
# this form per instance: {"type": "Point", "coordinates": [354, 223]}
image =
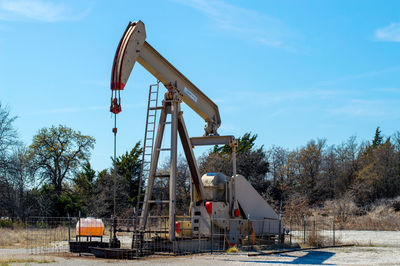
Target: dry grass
{"type": "Point", "coordinates": [315, 239]}
{"type": "Point", "coordinates": [16, 238]}
{"type": "Point", "coordinates": [379, 216]}
{"type": "Point", "coordinates": [7, 261]}
{"type": "Point", "coordinates": [369, 222]}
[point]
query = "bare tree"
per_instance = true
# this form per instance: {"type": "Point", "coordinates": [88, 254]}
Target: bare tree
{"type": "Point", "coordinates": [8, 134]}
{"type": "Point", "coordinates": [8, 141]}
{"type": "Point", "coordinates": [20, 178]}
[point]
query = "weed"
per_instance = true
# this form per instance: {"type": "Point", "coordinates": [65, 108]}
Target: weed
{"type": "Point", "coordinates": [233, 249]}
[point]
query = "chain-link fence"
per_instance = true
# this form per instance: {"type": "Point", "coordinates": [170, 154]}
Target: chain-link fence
{"type": "Point", "coordinates": [318, 231]}
{"type": "Point", "coordinates": [89, 235]}
{"type": "Point", "coordinates": [126, 238]}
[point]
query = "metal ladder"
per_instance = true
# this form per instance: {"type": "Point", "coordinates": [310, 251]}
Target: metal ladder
{"type": "Point", "coordinates": [148, 142]}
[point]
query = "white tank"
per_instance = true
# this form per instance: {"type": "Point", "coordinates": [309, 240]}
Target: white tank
{"type": "Point", "coordinates": [214, 186]}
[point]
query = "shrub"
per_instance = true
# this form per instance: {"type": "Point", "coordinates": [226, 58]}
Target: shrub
{"type": "Point", "coordinates": [6, 223]}
{"type": "Point", "coordinates": [315, 239]}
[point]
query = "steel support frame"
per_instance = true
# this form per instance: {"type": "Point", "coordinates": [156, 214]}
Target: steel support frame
{"type": "Point", "coordinates": [173, 166]}
{"type": "Point", "coordinates": [171, 107]}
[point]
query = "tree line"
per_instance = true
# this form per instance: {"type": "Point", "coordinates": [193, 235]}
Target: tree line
{"type": "Point", "coordinates": [53, 176]}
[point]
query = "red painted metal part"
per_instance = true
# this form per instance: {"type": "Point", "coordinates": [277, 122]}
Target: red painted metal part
{"type": "Point", "coordinates": [117, 86]}
{"type": "Point", "coordinates": [209, 207]}
{"type": "Point", "coordinates": [178, 227]}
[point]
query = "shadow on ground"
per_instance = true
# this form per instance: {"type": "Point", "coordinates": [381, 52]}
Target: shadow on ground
{"type": "Point", "coordinates": [312, 257]}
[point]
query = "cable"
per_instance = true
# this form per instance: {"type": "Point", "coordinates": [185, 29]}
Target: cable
{"type": "Point", "coordinates": [115, 163]}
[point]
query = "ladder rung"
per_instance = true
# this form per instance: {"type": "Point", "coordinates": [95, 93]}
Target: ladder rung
{"type": "Point", "coordinates": [158, 201]}
{"type": "Point", "coordinates": [148, 146]}
{"type": "Point", "coordinates": [154, 91]}
{"type": "Point", "coordinates": [147, 162]}
{"type": "Point", "coordinates": [156, 108]}
{"type": "Point", "coordinates": [152, 115]}
{"type": "Point", "coordinates": [162, 175]}
{"type": "Point", "coordinates": [164, 149]}
{"type": "Point", "coordinates": [153, 100]}
{"type": "Point", "coordinates": [150, 130]}
{"type": "Point", "coordinates": [151, 123]}
{"type": "Point", "coordinates": [165, 123]}
{"type": "Point", "coordinates": [155, 201]}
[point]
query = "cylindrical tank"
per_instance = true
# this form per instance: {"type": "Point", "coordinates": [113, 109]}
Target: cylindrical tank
{"type": "Point", "coordinates": [90, 227]}
{"type": "Point", "coordinates": [214, 186]}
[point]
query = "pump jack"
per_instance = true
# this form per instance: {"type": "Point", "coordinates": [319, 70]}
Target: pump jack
{"type": "Point", "coordinates": [231, 198]}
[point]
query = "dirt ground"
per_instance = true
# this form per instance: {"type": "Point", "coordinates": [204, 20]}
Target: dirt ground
{"type": "Point", "coordinates": [373, 248]}
{"type": "Point", "coordinates": [335, 256]}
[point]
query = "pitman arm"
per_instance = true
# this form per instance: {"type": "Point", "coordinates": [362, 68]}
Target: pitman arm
{"type": "Point", "coordinates": [133, 47]}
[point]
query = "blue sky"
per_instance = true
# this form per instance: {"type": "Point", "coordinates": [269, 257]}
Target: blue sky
{"type": "Point", "coordinates": [289, 71]}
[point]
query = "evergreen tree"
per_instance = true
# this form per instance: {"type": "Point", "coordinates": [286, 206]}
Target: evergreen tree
{"type": "Point", "coordinates": [378, 139]}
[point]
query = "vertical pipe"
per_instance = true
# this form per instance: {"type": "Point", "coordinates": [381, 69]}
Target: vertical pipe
{"type": "Point", "coordinates": [234, 178]}
{"type": "Point", "coordinates": [248, 229]}
{"type": "Point", "coordinates": [173, 163]}
{"type": "Point", "coordinates": [234, 159]}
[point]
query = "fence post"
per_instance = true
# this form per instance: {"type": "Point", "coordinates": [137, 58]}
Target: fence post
{"type": "Point", "coordinates": [79, 226]}
{"type": "Point", "coordinates": [223, 248]}
{"type": "Point", "coordinates": [333, 225]}
{"type": "Point", "coordinates": [304, 230]}
{"type": "Point", "coordinates": [314, 225]}
{"type": "Point", "coordinates": [248, 229]}
{"type": "Point", "coordinates": [198, 236]}
{"type": "Point", "coordinates": [69, 228]}
{"type": "Point", "coordinates": [79, 233]}
{"type": "Point", "coordinates": [212, 240]}
{"type": "Point", "coordinates": [110, 237]}
{"type": "Point", "coordinates": [290, 230]}
{"type": "Point", "coordinates": [280, 229]}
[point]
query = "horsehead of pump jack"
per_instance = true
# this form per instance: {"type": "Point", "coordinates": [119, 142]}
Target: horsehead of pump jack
{"type": "Point", "coordinates": [133, 47]}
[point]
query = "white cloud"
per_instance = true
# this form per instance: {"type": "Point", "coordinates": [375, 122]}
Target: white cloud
{"type": "Point", "coordinates": [359, 76]}
{"type": "Point", "coordinates": [244, 23]}
{"type": "Point", "coordinates": [273, 98]}
{"type": "Point", "coordinates": [46, 11]}
{"type": "Point", "coordinates": [389, 33]}
{"type": "Point", "coordinates": [380, 108]}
